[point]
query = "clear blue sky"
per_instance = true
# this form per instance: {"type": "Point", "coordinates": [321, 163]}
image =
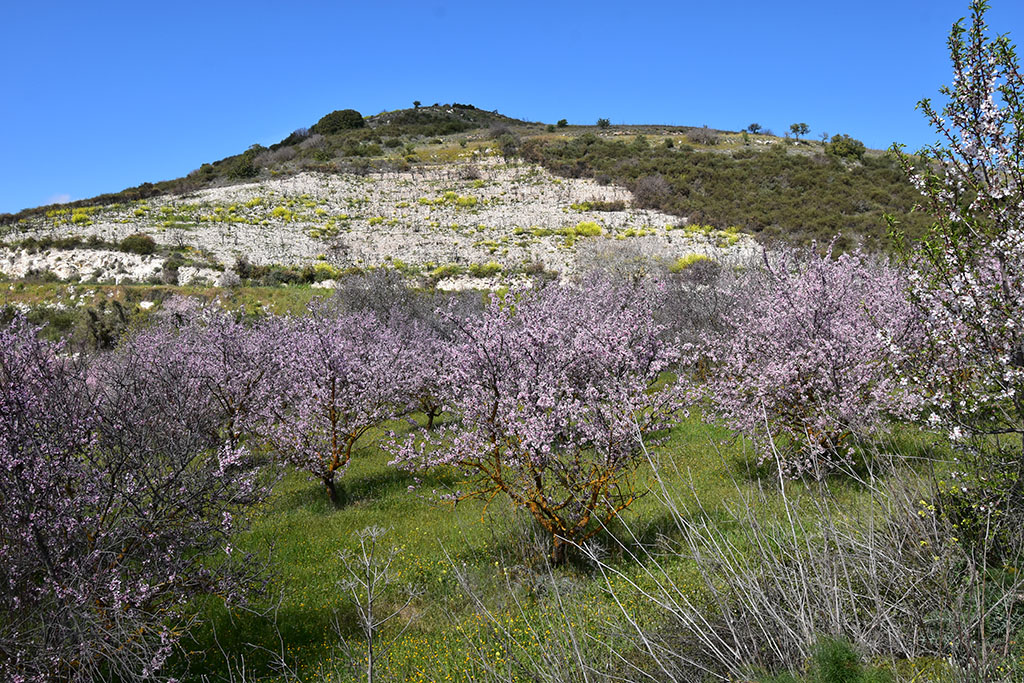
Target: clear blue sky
{"type": "Point", "coordinates": [99, 96]}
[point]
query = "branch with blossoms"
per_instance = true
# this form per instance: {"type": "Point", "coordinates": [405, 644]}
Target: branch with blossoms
{"type": "Point", "coordinates": [968, 281]}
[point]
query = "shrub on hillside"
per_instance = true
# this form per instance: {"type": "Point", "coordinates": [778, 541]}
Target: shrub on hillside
{"type": "Point", "coordinates": [244, 165]}
{"type": "Point", "coordinates": [338, 121]}
{"type": "Point", "coordinates": [845, 147]}
{"type": "Point", "coordinates": [691, 262]}
{"type": "Point", "coordinates": [138, 243]}
{"type": "Point", "coordinates": [297, 136]}
{"type": "Point", "coordinates": [703, 136]}
{"type": "Point", "coordinates": [793, 198]}
{"type": "Point", "coordinates": [488, 269]}
{"type": "Point", "coordinates": [651, 191]}
{"type": "Point", "coordinates": [275, 157]}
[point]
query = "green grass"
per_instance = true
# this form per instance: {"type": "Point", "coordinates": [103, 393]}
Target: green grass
{"type": "Point", "coordinates": [433, 538]}
{"type": "Point", "coordinates": [68, 311]}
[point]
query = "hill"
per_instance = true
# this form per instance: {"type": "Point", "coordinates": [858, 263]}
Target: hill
{"type": "Point", "coordinates": [444, 192]}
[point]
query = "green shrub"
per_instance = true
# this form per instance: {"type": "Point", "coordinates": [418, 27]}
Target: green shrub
{"type": "Point", "coordinates": [362, 150]}
{"type": "Point", "coordinates": [325, 271]}
{"type": "Point", "coordinates": [845, 147]}
{"type": "Point", "coordinates": [42, 275]}
{"type": "Point", "coordinates": [283, 213]}
{"type": "Point", "coordinates": [81, 217]}
{"type": "Point", "coordinates": [279, 275]}
{"type": "Point", "coordinates": [688, 261]}
{"type": "Point", "coordinates": [338, 121]}
{"type": "Point", "coordinates": [587, 229]}
{"type": "Point", "coordinates": [484, 269]}
{"type": "Point", "coordinates": [138, 243]}
{"type": "Point", "coordinates": [450, 199]}
{"type": "Point", "coordinates": [534, 268]}
{"type": "Point", "coordinates": [247, 270]}
{"type": "Point", "coordinates": [603, 123]}
{"type": "Point", "coordinates": [242, 166]}
{"type": "Point", "coordinates": [616, 205]}
{"type": "Point", "coordinates": [446, 271]}
{"type": "Point", "coordinates": [766, 192]}
{"type": "Point", "coordinates": [562, 123]}
{"type": "Point", "coordinates": [169, 273]}
{"type": "Point", "coordinates": [835, 661]}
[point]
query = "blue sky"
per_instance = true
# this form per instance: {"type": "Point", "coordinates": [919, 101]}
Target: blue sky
{"type": "Point", "coordinates": [99, 96]}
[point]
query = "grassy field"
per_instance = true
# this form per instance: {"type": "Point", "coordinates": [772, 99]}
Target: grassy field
{"type": "Point", "coordinates": [93, 316]}
{"type": "Point", "coordinates": [443, 550]}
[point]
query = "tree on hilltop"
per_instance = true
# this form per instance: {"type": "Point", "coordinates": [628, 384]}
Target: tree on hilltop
{"type": "Point", "coordinates": [337, 121]}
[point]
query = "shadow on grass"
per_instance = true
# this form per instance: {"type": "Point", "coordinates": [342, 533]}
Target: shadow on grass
{"type": "Point", "coordinates": [351, 489]}
{"type": "Point", "coordinates": [254, 640]}
{"type": "Point", "coordinates": [376, 486]}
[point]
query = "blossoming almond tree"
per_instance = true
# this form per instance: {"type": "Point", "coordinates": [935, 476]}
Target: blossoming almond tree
{"type": "Point", "coordinates": [808, 362]}
{"type": "Point", "coordinates": [115, 490]}
{"type": "Point", "coordinates": [552, 390]}
{"type": "Point", "coordinates": [233, 363]}
{"type": "Point", "coordinates": [968, 275]}
{"type": "Point", "coordinates": [342, 375]}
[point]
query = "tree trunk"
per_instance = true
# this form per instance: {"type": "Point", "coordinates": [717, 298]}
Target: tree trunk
{"type": "Point", "coordinates": [332, 489]}
{"type": "Point", "coordinates": [557, 551]}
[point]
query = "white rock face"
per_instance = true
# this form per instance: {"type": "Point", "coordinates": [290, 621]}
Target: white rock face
{"type": "Point", "coordinates": [100, 265]}
{"type": "Point", "coordinates": [189, 275]}
{"type": "Point", "coordinates": [453, 214]}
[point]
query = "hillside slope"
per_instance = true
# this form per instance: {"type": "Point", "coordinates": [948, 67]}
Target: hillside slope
{"type": "Point", "coordinates": [441, 190]}
{"type": "Point", "coordinates": [470, 218]}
